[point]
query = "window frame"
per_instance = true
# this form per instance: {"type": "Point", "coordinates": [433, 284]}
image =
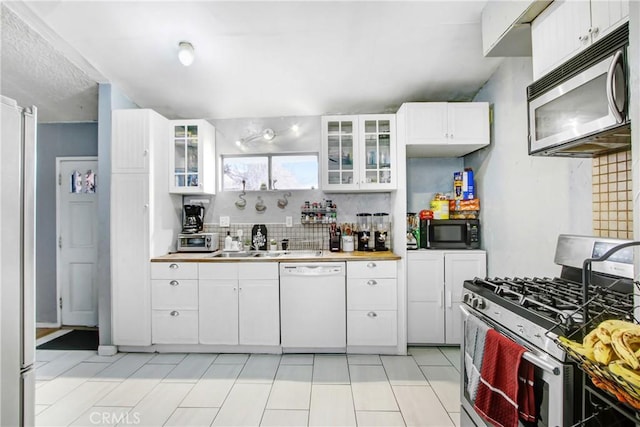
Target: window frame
{"type": "Point", "coordinates": [270, 157]}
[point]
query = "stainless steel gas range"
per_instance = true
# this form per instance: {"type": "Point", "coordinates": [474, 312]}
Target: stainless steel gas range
{"type": "Point", "coordinates": [533, 311]}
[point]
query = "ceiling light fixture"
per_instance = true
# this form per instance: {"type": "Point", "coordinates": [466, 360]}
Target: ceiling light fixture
{"type": "Point", "coordinates": [268, 134]}
{"type": "Point", "coordinates": [186, 53]}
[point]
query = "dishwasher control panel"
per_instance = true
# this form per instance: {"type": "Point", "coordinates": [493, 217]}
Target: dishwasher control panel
{"type": "Point", "coordinates": [312, 269]}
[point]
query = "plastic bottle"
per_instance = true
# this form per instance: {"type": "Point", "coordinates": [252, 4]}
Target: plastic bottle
{"type": "Point", "coordinates": [227, 241]}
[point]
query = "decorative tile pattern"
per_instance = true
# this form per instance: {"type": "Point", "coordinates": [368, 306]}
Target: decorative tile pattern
{"type": "Point", "coordinates": [612, 196]}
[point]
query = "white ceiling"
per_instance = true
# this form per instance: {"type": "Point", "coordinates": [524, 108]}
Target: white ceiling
{"type": "Point", "coordinates": [253, 59]}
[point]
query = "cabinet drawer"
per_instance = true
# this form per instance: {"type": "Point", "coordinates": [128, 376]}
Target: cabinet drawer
{"type": "Point", "coordinates": [368, 294]}
{"type": "Point", "coordinates": [261, 270]}
{"type": "Point", "coordinates": [373, 327]}
{"type": "Point", "coordinates": [218, 270]}
{"type": "Point", "coordinates": [174, 326]}
{"type": "Point", "coordinates": [174, 270]}
{"type": "Point", "coordinates": [174, 294]}
{"type": "Point", "coordinates": [372, 269]}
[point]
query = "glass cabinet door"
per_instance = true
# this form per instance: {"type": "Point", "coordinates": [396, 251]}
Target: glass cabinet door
{"type": "Point", "coordinates": [340, 139]}
{"type": "Point", "coordinates": [185, 143]}
{"type": "Point", "coordinates": [377, 155]}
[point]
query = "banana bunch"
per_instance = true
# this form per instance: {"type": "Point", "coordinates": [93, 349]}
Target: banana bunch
{"type": "Point", "coordinates": [610, 341]}
{"type": "Point", "coordinates": [615, 344]}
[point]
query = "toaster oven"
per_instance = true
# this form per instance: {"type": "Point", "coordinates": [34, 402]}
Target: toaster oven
{"type": "Point", "coordinates": [198, 242]}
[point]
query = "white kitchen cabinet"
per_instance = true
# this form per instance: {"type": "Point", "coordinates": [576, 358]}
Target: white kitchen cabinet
{"type": "Point", "coordinates": [130, 295]}
{"type": "Point", "coordinates": [174, 303]}
{"type": "Point", "coordinates": [372, 317]}
{"type": "Point", "coordinates": [132, 133]}
{"type": "Point", "coordinates": [239, 305]}
{"type": "Point", "coordinates": [259, 312]}
{"type": "Point", "coordinates": [359, 153]}
{"type": "Point", "coordinates": [444, 129]}
{"type": "Point", "coordinates": [144, 219]}
{"type": "Point", "coordinates": [192, 157]}
{"type": "Point", "coordinates": [565, 28]}
{"type": "Point", "coordinates": [434, 293]}
{"type": "Point", "coordinates": [506, 28]}
{"type": "Point", "coordinates": [218, 311]}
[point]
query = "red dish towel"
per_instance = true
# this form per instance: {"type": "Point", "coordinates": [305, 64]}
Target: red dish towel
{"type": "Point", "coordinates": [501, 395]}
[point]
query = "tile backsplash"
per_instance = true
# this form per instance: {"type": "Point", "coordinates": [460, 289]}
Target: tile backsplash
{"type": "Point", "coordinates": [313, 236]}
{"type": "Point", "coordinates": [612, 196]}
{"type": "Point", "coordinates": [308, 236]}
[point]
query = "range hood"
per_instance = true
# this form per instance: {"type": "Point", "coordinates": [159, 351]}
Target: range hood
{"type": "Point", "coordinates": [580, 109]}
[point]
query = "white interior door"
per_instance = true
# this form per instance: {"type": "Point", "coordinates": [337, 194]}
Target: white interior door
{"type": "Point", "coordinates": [77, 211]}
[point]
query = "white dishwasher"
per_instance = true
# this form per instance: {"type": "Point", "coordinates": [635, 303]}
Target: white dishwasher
{"type": "Point", "coordinates": [313, 316]}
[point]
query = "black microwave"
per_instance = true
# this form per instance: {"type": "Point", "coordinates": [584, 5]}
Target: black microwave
{"type": "Point", "coordinates": [450, 233]}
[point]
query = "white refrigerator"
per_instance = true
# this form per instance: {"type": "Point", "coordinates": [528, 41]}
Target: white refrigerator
{"type": "Point", "coordinates": [17, 263]}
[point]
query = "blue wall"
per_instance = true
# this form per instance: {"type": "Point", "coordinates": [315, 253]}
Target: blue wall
{"type": "Point", "coordinates": [54, 140]}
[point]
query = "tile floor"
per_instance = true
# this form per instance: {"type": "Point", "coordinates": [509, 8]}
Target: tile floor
{"type": "Point", "coordinates": [80, 388]}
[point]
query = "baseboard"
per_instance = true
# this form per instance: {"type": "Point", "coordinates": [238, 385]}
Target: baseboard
{"type": "Point", "coordinates": [107, 350]}
{"type": "Point", "coordinates": [47, 325]}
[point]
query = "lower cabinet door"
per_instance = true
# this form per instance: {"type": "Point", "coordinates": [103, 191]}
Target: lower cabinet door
{"type": "Point", "coordinates": [259, 312]}
{"type": "Point", "coordinates": [218, 311]}
{"type": "Point", "coordinates": [425, 322]}
{"type": "Point", "coordinates": [372, 327]}
{"type": "Point", "coordinates": [174, 326]}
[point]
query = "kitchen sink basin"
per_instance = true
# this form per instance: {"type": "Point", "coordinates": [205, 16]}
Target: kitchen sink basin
{"type": "Point", "coordinates": [233, 255]}
{"type": "Point", "coordinates": [269, 254]}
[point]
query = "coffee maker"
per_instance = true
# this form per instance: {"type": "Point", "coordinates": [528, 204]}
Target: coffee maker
{"type": "Point", "coordinates": [192, 219]}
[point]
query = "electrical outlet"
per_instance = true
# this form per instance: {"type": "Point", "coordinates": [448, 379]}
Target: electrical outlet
{"type": "Point", "coordinates": [288, 221]}
{"type": "Point", "coordinates": [224, 221]}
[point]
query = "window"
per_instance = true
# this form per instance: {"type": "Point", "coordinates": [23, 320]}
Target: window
{"type": "Point", "coordinates": [272, 172]}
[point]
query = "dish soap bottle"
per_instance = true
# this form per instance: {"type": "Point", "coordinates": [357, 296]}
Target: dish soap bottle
{"type": "Point", "coordinates": [227, 241]}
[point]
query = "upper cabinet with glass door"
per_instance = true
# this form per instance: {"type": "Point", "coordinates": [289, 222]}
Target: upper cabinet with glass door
{"type": "Point", "coordinates": [192, 157]}
{"type": "Point", "coordinates": [377, 156]}
{"type": "Point", "coordinates": [339, 152]}
{"type": "Point", "coordinates": [358, 153]}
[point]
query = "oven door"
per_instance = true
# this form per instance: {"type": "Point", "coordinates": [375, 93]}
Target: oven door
{"type": "Point", "coordinates": [555, 379]}
{"type": "Point", "coordinates": [590, 102]}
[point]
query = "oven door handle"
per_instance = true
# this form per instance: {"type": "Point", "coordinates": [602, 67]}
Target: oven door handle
{"type": "Point", "coordinates": [540, 363]}
{"type": "Point", "coordinates": [526, 355]}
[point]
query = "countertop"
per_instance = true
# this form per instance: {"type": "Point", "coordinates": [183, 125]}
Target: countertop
{"type": "Point", "coordinates": [326, 256]}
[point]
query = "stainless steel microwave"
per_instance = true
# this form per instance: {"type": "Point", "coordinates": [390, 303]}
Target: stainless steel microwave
{"type": "Point", "coordinates": [580, 109]}
{"type": "Point", "coordinates": [450, 233]}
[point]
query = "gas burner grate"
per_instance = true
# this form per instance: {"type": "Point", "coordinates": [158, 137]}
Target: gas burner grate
{"type": "Point", "coordinates": [551, 301]}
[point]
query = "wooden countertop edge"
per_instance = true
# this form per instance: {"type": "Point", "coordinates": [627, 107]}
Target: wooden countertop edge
{"type": "Point", "coordinates": [326, 256]}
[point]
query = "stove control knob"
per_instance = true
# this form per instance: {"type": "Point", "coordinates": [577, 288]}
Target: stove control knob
{"type": "Point", "coordinates": [466, 298]}
{"type": "Point", "coordinates": [478, 303]}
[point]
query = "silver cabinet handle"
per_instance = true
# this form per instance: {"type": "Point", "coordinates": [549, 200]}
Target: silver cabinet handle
{"type": "Point", "coordinates": [145, 152]}
{"type": "Point", "coordinates": [174, 313]}
{"type": "Point", "coordinates": [594, 31]}
{"type": "Point", "coordinates": [174, 283]}
{"type": "Point", "coordinates": [371, 265]}
{"type": "Point", "coordinates": [372, 314]}
{"type": "Point", "coordinates": [372, 282]}
{"type": "Point", "coordinates": [173, 266]}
